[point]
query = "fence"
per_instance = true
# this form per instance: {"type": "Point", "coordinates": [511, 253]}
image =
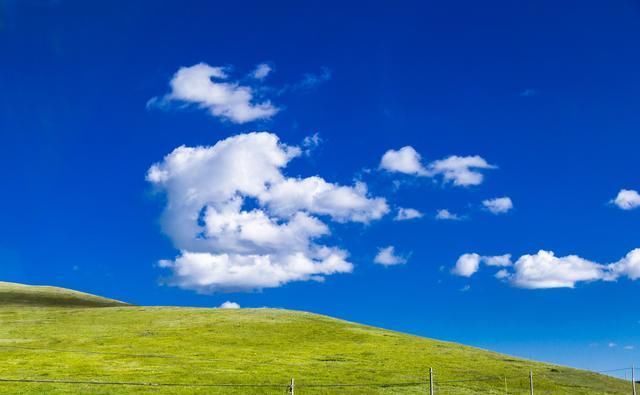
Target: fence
{"type": "Point", "coordinates": [430, 382]}
{"type": "Point", "coordinates": [430, 386]}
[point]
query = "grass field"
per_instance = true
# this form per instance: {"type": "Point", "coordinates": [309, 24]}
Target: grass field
{"type": "Point", "coordinates": [188, 346]}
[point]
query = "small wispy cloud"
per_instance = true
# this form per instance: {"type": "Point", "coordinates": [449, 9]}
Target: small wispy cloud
{"type": "Point", "coordinates": [387, 257]}
{"type": "Point", "coordinates": [309, 143]}
{"type": "Point", "coordinates": [310, 80]}
{"type": "Point", "coordinates": [498, 205]}
{"type": "Point", "coordinates": [405, 214]}
{"type": "Point", "coordinates": [446, 215]}
{"type": "Point", "coordinates": [261, 71]}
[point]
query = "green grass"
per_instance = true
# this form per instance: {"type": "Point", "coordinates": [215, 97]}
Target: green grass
{"type": "Point", "coordinates": [12, 294]}
{"type": "Point", "coordinates": [250, 346]}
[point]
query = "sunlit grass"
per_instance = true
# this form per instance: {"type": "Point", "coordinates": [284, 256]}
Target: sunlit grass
{"type": "Point", "coordinates": [251, 346]}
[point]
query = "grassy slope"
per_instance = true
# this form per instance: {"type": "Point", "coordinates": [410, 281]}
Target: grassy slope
{"type": "Point", "coordinates": [186, 345]}
{"type": "Point", "coordinates": [12, 294]}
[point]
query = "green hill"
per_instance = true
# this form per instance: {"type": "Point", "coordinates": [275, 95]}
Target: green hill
{"type": "Point", "coordinates": [12, 294]}
{"type": "Point", "coordinates": [51, 349]}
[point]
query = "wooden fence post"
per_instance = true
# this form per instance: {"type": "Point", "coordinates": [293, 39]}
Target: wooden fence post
{"type": "Point", "coordinates": [633, 380]}
{"type": "Point", "coordinates": [431, 388]}
{"type": "Point", "coordinates": [531, 382]}
{"type": "Point", "coordinates": [292, 387]}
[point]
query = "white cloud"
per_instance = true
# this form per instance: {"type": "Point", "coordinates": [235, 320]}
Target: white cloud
{"type": "Point", "coordinates": [628, 266]}
{"type": "Point", "coordinates": [405, 214]}
{"type": "Point", "coordinates": [241, 224]}
{"type": "Point", "coordinates": [459, 170]}
{"type": "Point", "coordinates": [229, 305]}
{"type": "Point", "coordinates": [498, 205]}
{"type": "Point", "coordinates": [315, 195]}
{"type": "Point", "coordinates": [545, 270]}
{"type": "Point", "coordinates": [502, 274]}
{"type": "Point", "coordinates": [261, 71]}
{"type": "Point", "coordinates": [405, 160]}
{"type": "Point", "coordinates": [627, 199]}
{"type": "Point", "coordinates": [612, 345]}
{"type": "Point", "coordinates": [629, 347]}
{"type": "Point", "coordinates": [387, 257]}
{"type": "Point", "coordinates": [467, 265]}
{"type": "Point", "coordinates": [497, 260]}
{"type": "Point", "coordinates": [209, 87]}
{"type": "Point", "coordinates": [445, 214]}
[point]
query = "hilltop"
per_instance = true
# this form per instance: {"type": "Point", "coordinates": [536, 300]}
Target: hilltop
{"type": "Point", "coordinates": [13, 294]}
{"type": "Point", "coordinates": [180, 347]}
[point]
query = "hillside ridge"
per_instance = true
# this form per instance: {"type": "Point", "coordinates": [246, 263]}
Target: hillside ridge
{"type": "Point", "coordinates": [16, 294]}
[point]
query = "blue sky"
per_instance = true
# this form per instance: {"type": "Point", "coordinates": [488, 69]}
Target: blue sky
{"type": "Point", "coordinates": [535, 101]}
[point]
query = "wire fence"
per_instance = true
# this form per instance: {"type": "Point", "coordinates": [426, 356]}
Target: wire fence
{"type": "Point", "coordinates": [542, 381]}
{"type": "Point", "coordinates": [443, 387]}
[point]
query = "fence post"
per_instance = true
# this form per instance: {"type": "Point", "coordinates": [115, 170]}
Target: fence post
{"type": "Point", "coordinates": [531, 382]}
{"type": "Point", "coordinates": [292, 387]}
{"type": "Point", "coordinates": [633, 380]}
{"type": "Point", "coordinates": [431, 389]}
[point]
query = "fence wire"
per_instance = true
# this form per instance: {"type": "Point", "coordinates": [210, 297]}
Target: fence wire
{"type": "Point", "coordinates": [448, 383]}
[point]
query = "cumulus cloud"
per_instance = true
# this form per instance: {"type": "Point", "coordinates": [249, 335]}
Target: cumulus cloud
{"type": "Point", "coordinates": [209, 87]}
{"type": "Point", "coordinates": [241, 224]}
{"type": "Point", "coordinates": [628, 266]}
{"type": "Point", "coordinates": [498, 205]}
{"type": "Point", "coordinates": [627, 199]}
{"type": "Point", "coordinates": [315, 195]}
{"type": "Point", "coordinates": [447, 215]}
{"type": "Point", "coordinates": [546, 270]}
{"type": "Point", "coordinates": [405, 214]}
{"type": "Point", "coordinates": [387, 256]}
{"type": "Point", "coordinates": [405, 160]}
{"type": "Point", "coordinates": [261, 71]}
{"type": "Point", "coordinates": [458, 170]}
{"type": "Point", "coordinates": [468, 264]}
{"type": "Point", "coordinates": [229, 305]}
